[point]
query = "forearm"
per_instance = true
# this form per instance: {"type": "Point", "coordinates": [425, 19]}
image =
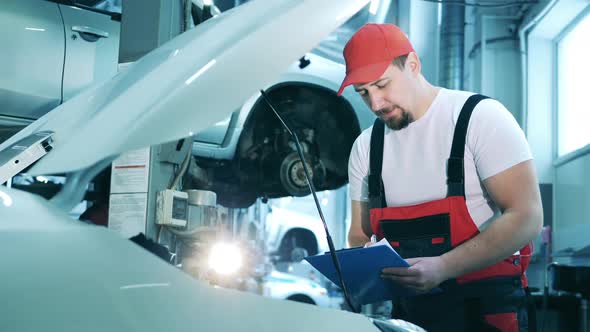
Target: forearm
{"type": "Point", "coordinates": [357, 240]}
{"type": "Point", "coordinates": [508, 234]}
{"type": "Point", "coordinates": [360, 227]}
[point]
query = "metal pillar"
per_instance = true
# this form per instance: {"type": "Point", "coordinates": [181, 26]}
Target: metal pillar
{"type": "Point", "coordinates": [147, 24]}
{"type": "Point", "coordinates": [452, 46]}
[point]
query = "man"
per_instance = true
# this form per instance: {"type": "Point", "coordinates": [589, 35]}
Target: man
{"type": "Point", "coordinates": [447, 177]}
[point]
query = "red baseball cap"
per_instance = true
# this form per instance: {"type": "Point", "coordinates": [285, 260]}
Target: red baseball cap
{"type": "Point", "coordinates": [370, 51]}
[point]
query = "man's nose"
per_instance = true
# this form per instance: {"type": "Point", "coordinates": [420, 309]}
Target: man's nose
{"type": "Point", "coordinates": [376, 101]}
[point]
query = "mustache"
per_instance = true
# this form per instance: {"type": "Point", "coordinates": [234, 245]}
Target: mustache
{"type": "Point", "coordinates": [387, 110]}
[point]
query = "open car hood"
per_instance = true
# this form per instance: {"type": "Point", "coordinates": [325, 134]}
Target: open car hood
{"type": "Point", "coordinates": [76, 277]}
{"type": "Point", "coordinates": [186, 84]}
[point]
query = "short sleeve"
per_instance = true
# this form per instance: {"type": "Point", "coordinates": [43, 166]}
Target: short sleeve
{"type": "Point", "coordinates": [495, 139]}
{"type": "Point", "coordinates": [358, 168]}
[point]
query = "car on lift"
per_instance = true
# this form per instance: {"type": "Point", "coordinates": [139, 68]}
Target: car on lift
{"type": "Point", "coordinates": [250, 154]}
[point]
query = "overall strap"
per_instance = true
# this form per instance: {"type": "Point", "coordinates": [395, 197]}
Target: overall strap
{"type": "Point", "coordinates": [376, 189]}
{"type": "Point", "coordinates": [455, 164]}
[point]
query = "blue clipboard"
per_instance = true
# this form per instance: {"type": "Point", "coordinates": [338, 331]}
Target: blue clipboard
{"type": "Point", "coordinates": [361, 271]}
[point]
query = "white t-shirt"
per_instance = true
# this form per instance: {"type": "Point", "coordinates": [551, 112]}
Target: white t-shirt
{"type": "Point", "coordinates": [414, 158]}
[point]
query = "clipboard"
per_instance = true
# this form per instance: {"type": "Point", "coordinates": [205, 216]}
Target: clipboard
{"type": "Point", "coordinates": [361, 271]}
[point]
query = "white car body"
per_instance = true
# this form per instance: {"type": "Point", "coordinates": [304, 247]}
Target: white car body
{"type": "Point", "coordinates": [77, 277]}
{"type": "Point", "coordinates": [62, 275]}
{"type": "Point", "coordinates": [79, 47]}
{"type": "Point", "coordinates": [286, 286]}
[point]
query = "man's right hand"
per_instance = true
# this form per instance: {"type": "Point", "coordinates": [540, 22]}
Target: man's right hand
{"type": "Point", "coordinates": [372, 242]}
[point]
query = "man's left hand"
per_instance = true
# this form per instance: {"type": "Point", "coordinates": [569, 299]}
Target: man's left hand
{"type": "Point", "coordinates": [424, 273]}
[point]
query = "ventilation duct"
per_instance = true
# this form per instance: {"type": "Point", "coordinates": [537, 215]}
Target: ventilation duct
{"type": "Point", "coordinates": [452, 46]}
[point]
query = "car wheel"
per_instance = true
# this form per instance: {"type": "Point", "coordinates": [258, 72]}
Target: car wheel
{"type": "Point", "coordinates": [292, 173]}
{"type": "Point", "coordinates": [298, 254]}
{"type": "Point", "coordinates": [301, 298]}
{"type": "Point", "coordinates": [296, 245]}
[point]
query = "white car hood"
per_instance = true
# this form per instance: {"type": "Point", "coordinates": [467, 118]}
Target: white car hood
{"type": "Point", "coordinates": [62, 275]}
{"type": "Point", "coordinates": [187, 84]}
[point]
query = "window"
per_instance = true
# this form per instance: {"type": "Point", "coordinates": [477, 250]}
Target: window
{"type": "Point", "coordinates": [573, 71]}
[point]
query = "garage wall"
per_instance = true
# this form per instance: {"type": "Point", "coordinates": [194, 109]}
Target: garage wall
{"type": "Point", "coordinates": [570, 175]}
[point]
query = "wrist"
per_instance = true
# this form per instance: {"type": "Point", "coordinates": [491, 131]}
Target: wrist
{"type": "Point", "coordinates": [449, 268]}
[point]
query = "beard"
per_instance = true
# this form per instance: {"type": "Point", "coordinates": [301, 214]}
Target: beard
{"type": "Point", "coordinates": [401, 122]}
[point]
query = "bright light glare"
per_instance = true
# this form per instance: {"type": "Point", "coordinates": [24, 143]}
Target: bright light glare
{"type": "Point", "coordinates": [207, 2]}
{"type": "Point", "coordinates": [6, 199]}
{"type": "Point", "coordinates": [225, 258]}
{"type": "Point", "coordinates": [324, 201]}
{"type": "Point", "coordinates": [374, 6]}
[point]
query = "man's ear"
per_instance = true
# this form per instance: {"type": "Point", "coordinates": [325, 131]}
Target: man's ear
{"type": "Point", "coordinates": [413, 63]}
